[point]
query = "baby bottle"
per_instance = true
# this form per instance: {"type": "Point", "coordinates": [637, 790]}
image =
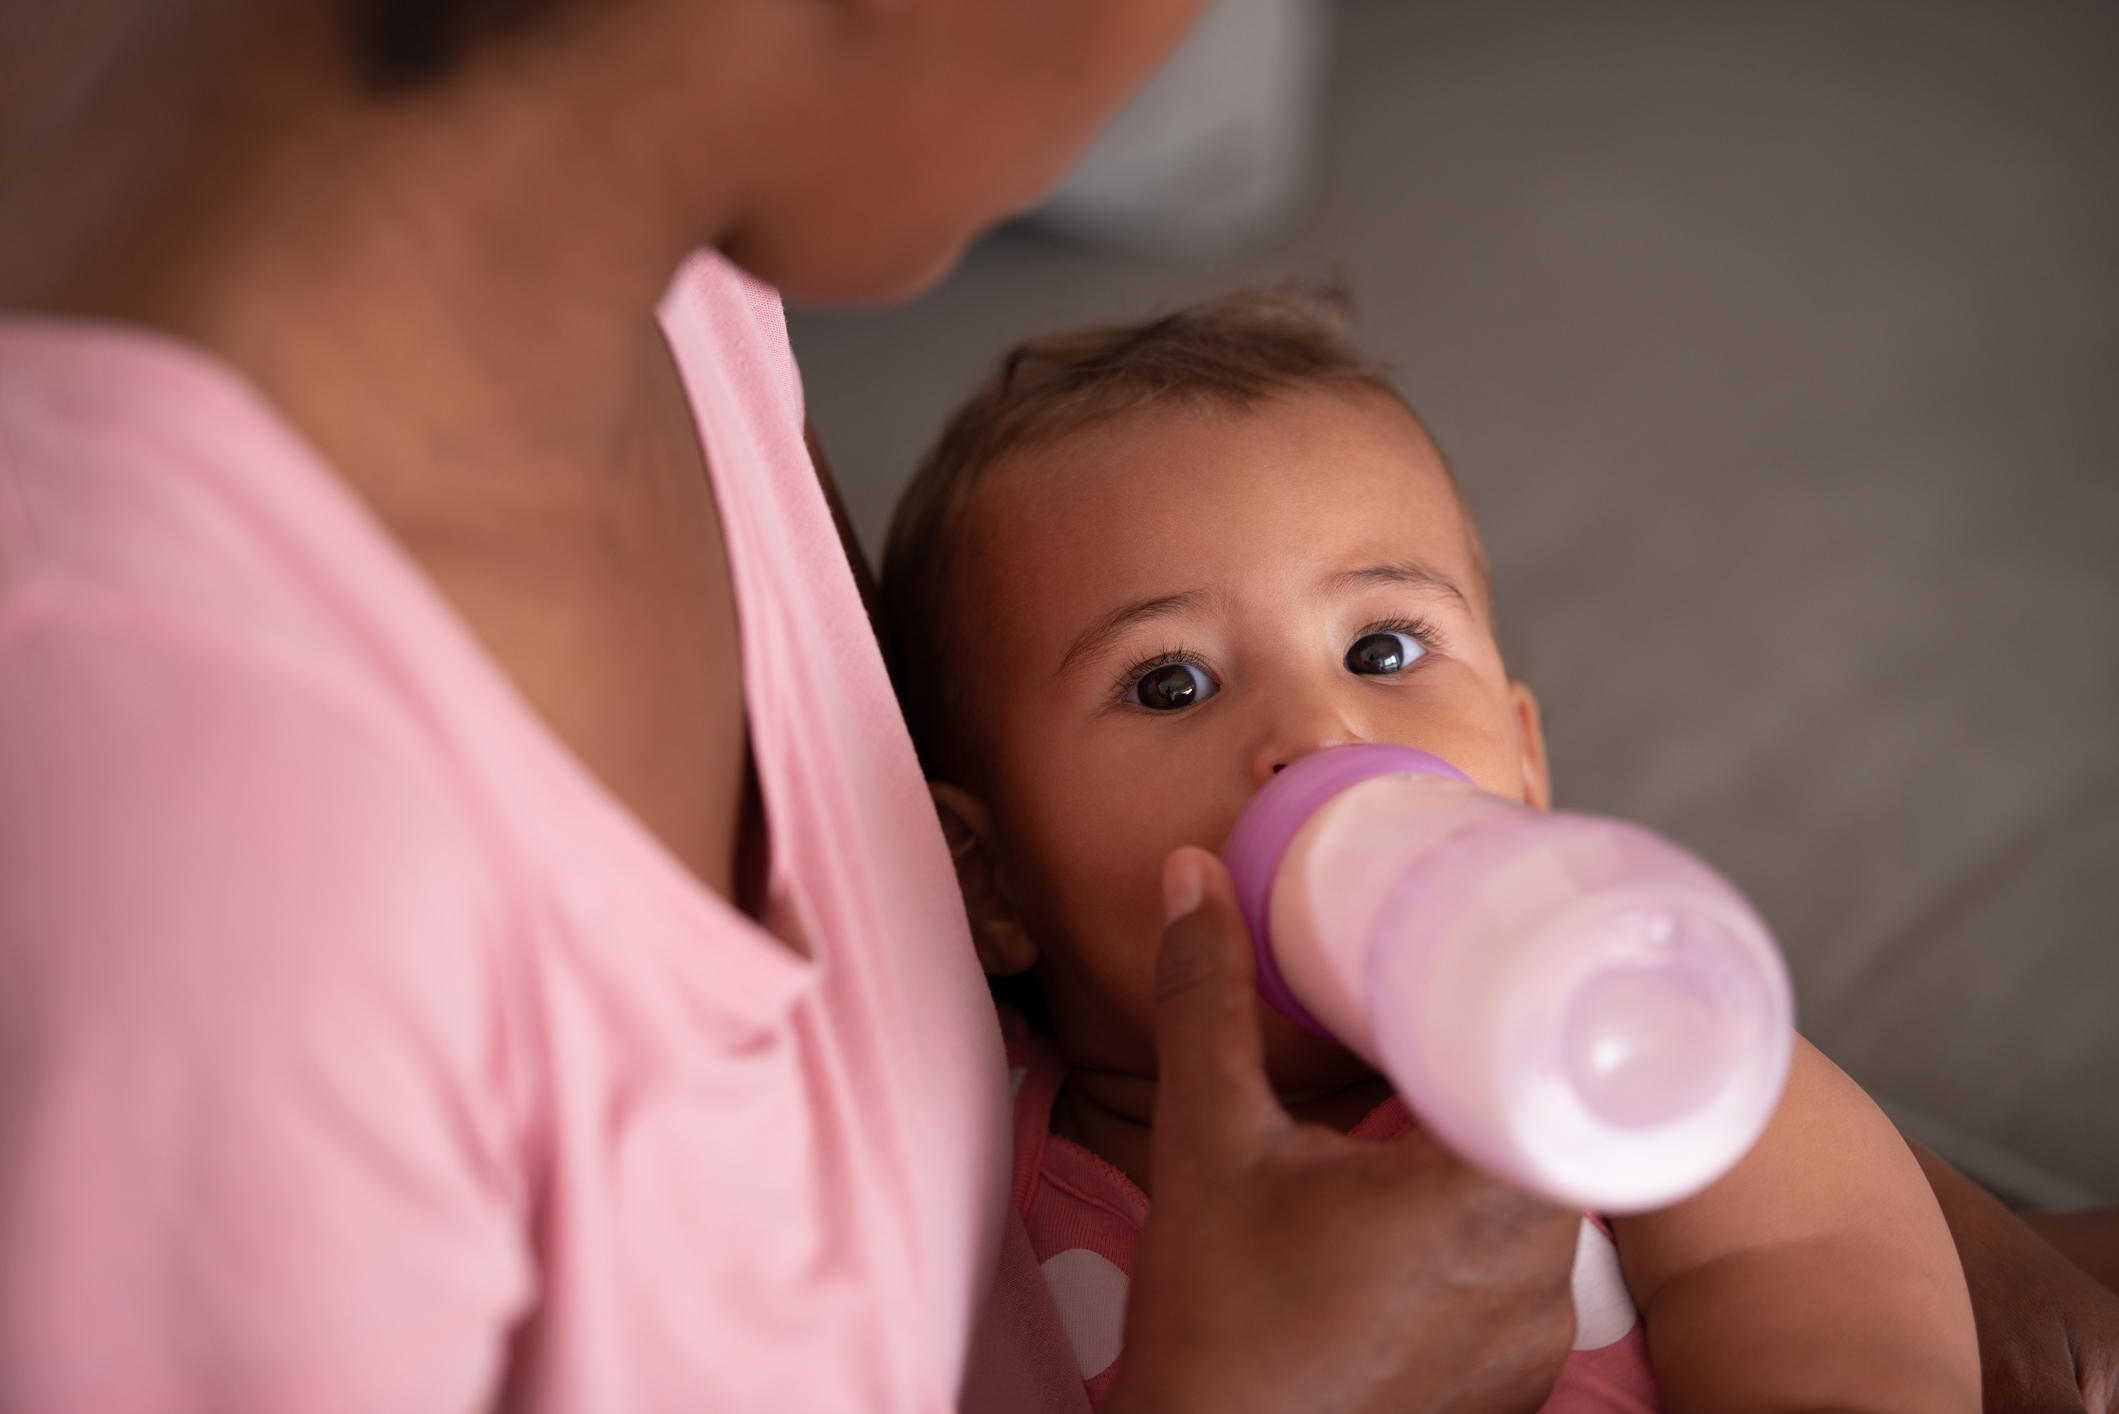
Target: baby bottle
{"type": "Point", "coordinates": [1571, 1003]}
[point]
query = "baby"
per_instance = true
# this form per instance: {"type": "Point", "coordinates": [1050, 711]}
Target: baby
{"type": "Point", "coordinates": [1144, 569]}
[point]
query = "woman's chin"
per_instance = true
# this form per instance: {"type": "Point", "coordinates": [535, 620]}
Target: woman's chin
{"type": "Point", "coordinates": [872, 278]}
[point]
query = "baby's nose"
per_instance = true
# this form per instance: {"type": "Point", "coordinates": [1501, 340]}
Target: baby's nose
{"type": "Point", "coordinates": [1291, 746]}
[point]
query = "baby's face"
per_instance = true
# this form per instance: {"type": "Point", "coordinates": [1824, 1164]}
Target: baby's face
{"type": "Point", "coordinates": [1165, 610]}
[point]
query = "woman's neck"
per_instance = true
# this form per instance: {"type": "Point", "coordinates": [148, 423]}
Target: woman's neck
{"type": "Point", "coordinates": [451, 294]}
{"type": "Point", "coordinates": [447, 292]}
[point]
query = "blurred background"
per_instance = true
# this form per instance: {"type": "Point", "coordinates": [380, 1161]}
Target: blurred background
{"type": "Point", "coordinates": [1777, 349]}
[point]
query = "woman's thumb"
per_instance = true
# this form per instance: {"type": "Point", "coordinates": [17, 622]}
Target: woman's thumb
{"type": "Point", "coordinates": [1212, 1096]}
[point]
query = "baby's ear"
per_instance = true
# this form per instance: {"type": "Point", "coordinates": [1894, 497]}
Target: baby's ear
{"type": "Point", "coordinates": [1530, 730]}
{"type": "Point", "coordinates": [1004, 946]}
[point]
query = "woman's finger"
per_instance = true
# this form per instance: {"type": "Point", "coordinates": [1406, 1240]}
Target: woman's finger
{"type": "Point", "coordinates": [1213, 1103]}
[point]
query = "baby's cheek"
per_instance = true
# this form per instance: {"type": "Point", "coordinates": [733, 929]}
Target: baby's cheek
{"type": "Point", "coordinates": [1104, 876]}
{"type": "Point", "coordinates": [1095, 826]}
{"type": "Point", "coordinates": [1114, 900]}
{"type": "Point", "coordinates": [1109, 829]}
{"type": "Point", "coordinates": [1479, 738]}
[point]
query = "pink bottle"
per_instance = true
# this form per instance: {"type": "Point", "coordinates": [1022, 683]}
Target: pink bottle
{"type": "Point", "coordinates": [1571, 1003]}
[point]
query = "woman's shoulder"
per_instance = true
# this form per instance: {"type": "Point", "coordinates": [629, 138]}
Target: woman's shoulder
{"type": "Point", "coordinates": [213, 725]}
{"type": "Point", "coordinates": [245, 956]}
{"type": "Point", "coordinates": [204, 853]}
{"type": "Point", "coordinates": [716, 306]}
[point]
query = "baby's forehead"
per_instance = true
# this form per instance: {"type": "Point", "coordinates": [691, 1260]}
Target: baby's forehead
{"type": "Point", "coordinates": [1169, 481]}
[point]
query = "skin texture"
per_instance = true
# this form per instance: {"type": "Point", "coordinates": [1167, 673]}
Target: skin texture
{"type": "Point", "coordinates": [492, 381]}
{"type": "Point", "coordinates": [1259, 545]}
{"type": "Point", "coordinates": [1819, 1274]}
{"type": "Point", "coordinates": [451, 294]}
{"type": "Point", "coordinates": [1474, 1311]}
{"type": "Point", "coordinates": [1086, 794]}
{"type": "Point", "coordinates": [2048, 1332]}
{"type": "Point", "coordinates": [2088, 1239]}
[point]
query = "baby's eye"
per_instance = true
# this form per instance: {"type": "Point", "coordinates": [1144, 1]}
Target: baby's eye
{"type": "Point", "coordinates": [1173, 685]}
{"type": "Point", "coordinates": [1381, 654]}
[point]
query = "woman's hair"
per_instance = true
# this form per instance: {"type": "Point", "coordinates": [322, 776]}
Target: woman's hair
{"type": "Point", "coordinates": [1261, 341]}
{"type": "Point", "coordinates": [403, 44]}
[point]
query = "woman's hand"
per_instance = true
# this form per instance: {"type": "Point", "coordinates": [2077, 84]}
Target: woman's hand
{"type": "Point", "coordinates": [1285, 1266]}
{"type": "Point", "coordinates": [2048, 1333]}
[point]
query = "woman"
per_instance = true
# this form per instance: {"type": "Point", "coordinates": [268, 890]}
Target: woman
{"type": "Point", "coordinates": [385, 1030]}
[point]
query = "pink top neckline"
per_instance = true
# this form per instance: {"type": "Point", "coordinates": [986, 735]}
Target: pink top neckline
{"type": "Point", "coordinates": [313, 934]}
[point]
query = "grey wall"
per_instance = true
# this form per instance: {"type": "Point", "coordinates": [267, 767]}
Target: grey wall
{"type": "Point", "coordinates": [1778, 350]}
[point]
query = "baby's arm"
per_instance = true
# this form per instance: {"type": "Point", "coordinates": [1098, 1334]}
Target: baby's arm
{"type": "Point", "coordinates": [1818, 1275]}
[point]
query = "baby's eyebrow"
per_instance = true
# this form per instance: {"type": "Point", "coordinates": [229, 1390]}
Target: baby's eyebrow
{"type": "Point", "coordinates": [1410, 574]}
{"type": "Point", "coordinates": [1111, 625]}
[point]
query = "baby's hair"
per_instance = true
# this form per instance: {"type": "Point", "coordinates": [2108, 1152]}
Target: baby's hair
{"type": "Point", "coordinates": [1235, 351]}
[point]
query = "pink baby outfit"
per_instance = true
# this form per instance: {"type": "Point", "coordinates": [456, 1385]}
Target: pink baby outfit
{"type": "Point", "coordinates": [1084, 1219]}
{"type": "Point", "coordinates": [354, 1041]}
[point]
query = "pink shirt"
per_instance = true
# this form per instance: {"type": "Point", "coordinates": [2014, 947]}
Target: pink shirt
{"type": "Point", "coordinates": [1084, 1220]}
{"type": "Point", "coordinates": [355, 1042]}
